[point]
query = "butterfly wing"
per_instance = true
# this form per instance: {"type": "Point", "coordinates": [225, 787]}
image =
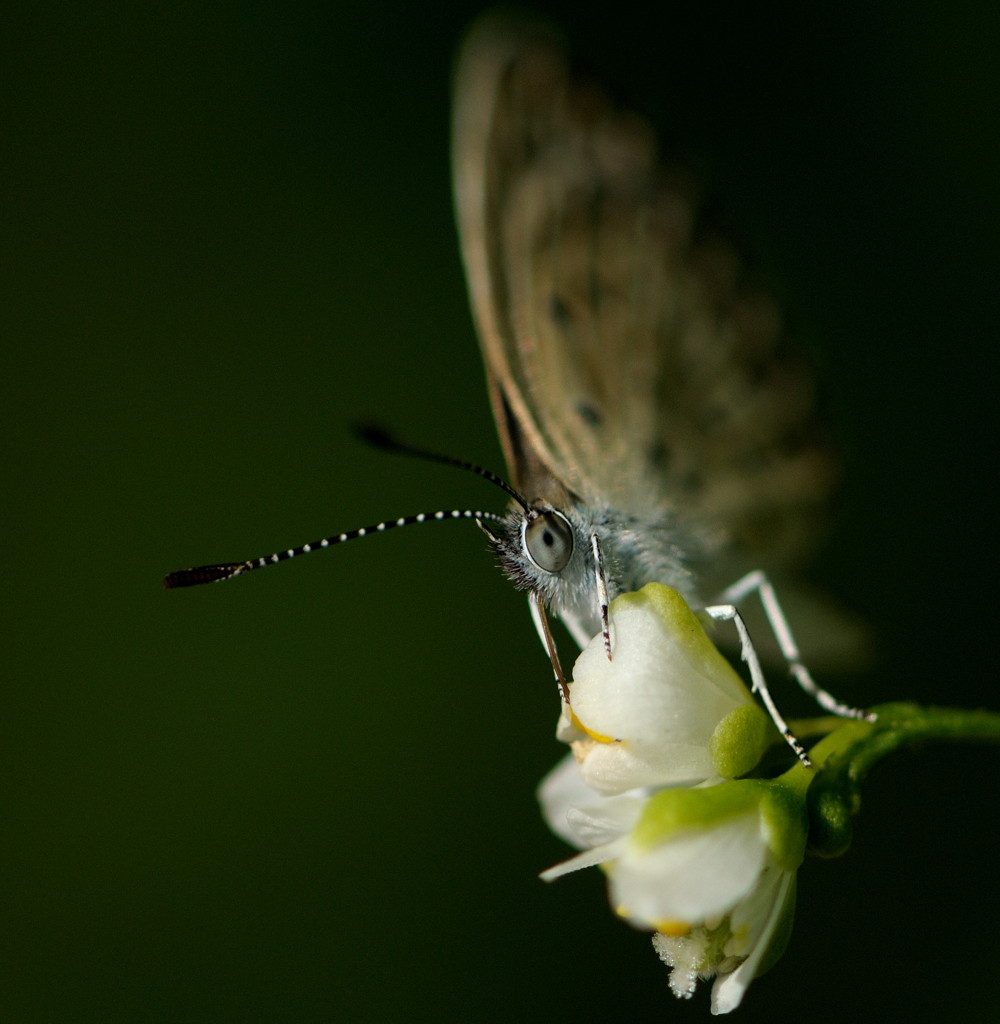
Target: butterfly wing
{"type": "Point", "coordinates": [628, 359]}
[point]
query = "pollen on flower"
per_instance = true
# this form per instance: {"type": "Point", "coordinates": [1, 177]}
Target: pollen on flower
{"type": "Point", "coordinates": [676, 929]}
{"type": "Point", "coordinates": [687, 959]}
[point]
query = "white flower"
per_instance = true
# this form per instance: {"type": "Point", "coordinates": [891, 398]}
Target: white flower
{"type": "Point", "coordinates": [711, 870]}
{"type": "Point", "coordinates": [668, 710]}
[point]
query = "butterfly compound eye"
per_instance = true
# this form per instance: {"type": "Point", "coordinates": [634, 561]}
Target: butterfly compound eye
{"type": "Point", "coordinates": [548, 540]}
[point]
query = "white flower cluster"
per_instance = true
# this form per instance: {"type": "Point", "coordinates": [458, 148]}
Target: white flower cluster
{"type": "Point", "coordinates": [659, 736]}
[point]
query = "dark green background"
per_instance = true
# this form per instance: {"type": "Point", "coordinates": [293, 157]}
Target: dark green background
{"type": "Point", "coordinates": [308, 795]}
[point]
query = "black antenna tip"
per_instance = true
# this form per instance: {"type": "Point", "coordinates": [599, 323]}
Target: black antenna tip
{"type": "Point", "coordinates": [202, 574]}
{"type": "Point", "coordinates": [375, 435]}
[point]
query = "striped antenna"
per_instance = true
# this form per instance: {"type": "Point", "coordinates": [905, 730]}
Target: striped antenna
{"type": "Point", "coordinates": [227, 570]}
{"type": "Point", "coordinates": [379, 438]}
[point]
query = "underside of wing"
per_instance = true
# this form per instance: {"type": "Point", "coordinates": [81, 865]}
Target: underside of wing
{"type": "Point", "coordinates": [629, 360]}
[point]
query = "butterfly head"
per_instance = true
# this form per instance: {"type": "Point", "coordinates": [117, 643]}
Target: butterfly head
{"type": "Point", "coordinates": [539, 549]}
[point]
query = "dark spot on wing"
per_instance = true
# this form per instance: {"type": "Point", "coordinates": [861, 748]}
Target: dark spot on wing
{"type": "Point", "coordinates": [659, 455]}
{"type": "Point", "coordinates": [596, 291]}
{"type": "Point", "coordinates": [693, 482]}
{"type": "Point", "coordinates": [559, 312]}
{"type": "Point", "coordinates": [529, 148]}
{"type": "Point", "coordinates": [758, 371]}
{"type": "Point", "coordinates": [589, 414]}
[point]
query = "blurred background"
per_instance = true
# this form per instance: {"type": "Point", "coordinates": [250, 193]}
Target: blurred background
{"type": "Point", "coordinates": [308, 795]}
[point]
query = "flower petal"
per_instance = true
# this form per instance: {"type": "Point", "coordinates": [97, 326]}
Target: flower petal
{"type": "Point", "coordinates": [560, 790]}
{"type": "Point", "coordinates": [587, 859]}
{"type": "Point", "coordinates": [697, 875]}
{"type": "Point", "coordinates": [607, 819]}
{"type": "Point", "coordinates": [648, 716]}
{"type": "Point", "coordinates": [729, 989]}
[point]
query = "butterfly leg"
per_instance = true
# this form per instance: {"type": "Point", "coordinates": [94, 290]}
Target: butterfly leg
{"type": "Point", "coordinates": [541, 622]}
{"type": "Point", "coordinates": [729, 613]}
{"type": "Point", "coordinates": [601, 583]}
{"type": "Point", "coordinates": [757, 582]}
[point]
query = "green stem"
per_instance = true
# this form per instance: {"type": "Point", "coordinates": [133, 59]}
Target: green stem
{"type": "Point", "coordinates": [804, 728]}
{"type": "Point", "coordinates": [846, 755]}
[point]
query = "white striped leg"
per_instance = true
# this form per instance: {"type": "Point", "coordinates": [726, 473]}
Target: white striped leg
{"type": "Point", "coordinates": [728, 613]}
{"type": "Point", "coordinates": [757, 582]}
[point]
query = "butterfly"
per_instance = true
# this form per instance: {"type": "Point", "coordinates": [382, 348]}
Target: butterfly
{"type": "Point", "coordinates": [655, 423]}
{"type": "Point", "coordinates": [647, 401]}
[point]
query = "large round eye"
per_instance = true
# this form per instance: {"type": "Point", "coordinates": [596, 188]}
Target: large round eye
{"type": "Point", "coordinates": [548, 540]}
